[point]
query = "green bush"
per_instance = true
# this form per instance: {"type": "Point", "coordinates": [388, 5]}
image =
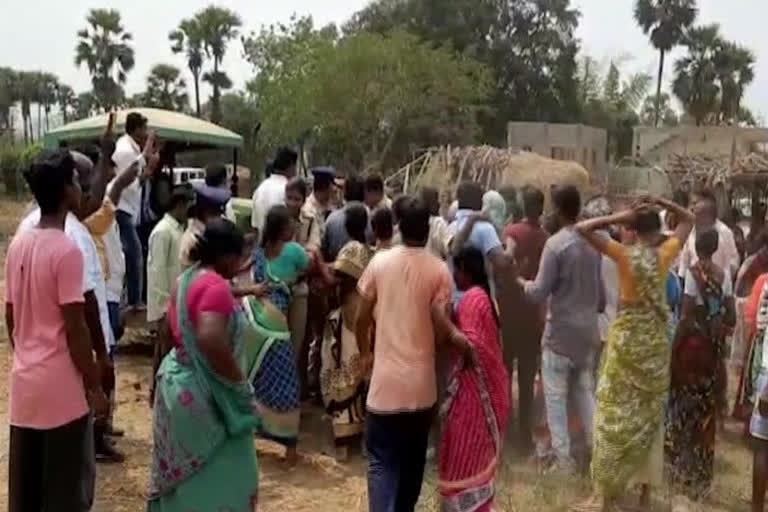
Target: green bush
{"type": "Point", "coordinates": [14, 160]}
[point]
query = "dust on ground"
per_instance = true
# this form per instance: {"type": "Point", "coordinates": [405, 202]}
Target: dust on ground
{"type": "Point", "coordinates": [319, 483]}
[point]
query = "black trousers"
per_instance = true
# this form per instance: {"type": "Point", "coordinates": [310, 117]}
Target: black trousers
{"type": "Point", "coordinates": [51, 470]}
{"type": "Point", "coordinates": [397, 452]}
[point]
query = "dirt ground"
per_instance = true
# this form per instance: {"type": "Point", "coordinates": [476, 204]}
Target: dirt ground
{"type": "Point", "coordinates": [318, 483]}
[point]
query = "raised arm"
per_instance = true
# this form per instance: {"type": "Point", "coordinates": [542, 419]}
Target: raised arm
{"type": "Point", "coordinates": [685, 218]}
{"type": "Point", "coordinates": [588, 228]}
{"type": "Point", "coordinates": [466, 230]}
{"type": "Point", "coordinates": [122, 181]}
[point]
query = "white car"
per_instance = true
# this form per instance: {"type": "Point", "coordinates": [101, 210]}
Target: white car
{"type": "Point", "coordinates": [189, 175]}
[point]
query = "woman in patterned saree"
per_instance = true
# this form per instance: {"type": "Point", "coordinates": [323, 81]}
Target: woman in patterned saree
{"type": "Point", "coordinates": [342, 377]}
{"type": "Point", "coordinates": [698, 371]}
{"type": "Point", "coordinates": [278, 262]}
{"type": "Point", "coordinates": [476, 410]}
{"type": "Point", "coordinates": [751, 321]}
{"type": "Point", "coordinates": [632, 393]}
{"type": "Point", "coordinates": [203, 456]}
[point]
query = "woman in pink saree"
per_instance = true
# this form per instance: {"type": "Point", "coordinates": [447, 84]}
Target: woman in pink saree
{"type": "Point", "coordinates": [476, 410]}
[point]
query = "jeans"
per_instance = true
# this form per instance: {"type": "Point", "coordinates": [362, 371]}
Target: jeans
{"type": "Point", "coordinates": [114, 320]}
{"type": "Point", "coordinates": [397, 449]}
{"type": "Point", "coordinates": [563, 378]}
{"type": "Point", "coordinates": [134, 260]}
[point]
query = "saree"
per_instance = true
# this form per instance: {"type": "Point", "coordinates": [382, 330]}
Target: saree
{"type": "Point", "coordinates": [273, 373]}
{"type": "Point", "coordinates": [697, 381]}
{"type": "Point", "coordinates": [342, 382]}
{"type": "Point", "coordinates": [474, 413]}
{"type": "Point", "coordinates": [753, 361]}
{"type": "Point", "coordinates": [632, 392]}
{"type": "Point", "coordinates": [203, 456]}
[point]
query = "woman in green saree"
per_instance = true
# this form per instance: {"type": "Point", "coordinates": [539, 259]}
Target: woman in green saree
{"type": "Point", "coordinates": [277, 263]}
{"type": "Point", "coordinates": [634, 382]}
{"type": "Point", "coordinates": [203, 456]}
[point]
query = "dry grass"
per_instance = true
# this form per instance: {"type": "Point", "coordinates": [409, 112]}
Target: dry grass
{"type": "Point", "coordinates": [319, 484]}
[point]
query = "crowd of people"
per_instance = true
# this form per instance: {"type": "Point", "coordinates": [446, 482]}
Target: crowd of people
{"type": "Point", "coordinates": [405, 324]}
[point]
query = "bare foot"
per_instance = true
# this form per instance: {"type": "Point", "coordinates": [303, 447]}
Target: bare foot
{"type": "Point", "coordinates": [342, 454]}
{"type": "Point", "coordinates": [291, 457]}
{"type": "Point", "coordinates": [645, 497]}
{"type": "Point", "coordinates": [595, 503]}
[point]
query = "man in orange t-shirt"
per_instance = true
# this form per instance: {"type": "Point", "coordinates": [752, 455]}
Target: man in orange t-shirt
{"type": "Point", "coordinates": [399, 289]}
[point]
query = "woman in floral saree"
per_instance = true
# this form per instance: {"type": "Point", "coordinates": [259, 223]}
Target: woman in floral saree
{"type": "Point", "coordinates": [278, 263]}
{"type": "Point", "coordinates": [203, 456]}
{"type": "Point", "coordinates": [752, 320]}
{"type": "Point", "coordinates": [698, 371]}
{"type": "Point", "coordinates": [632, 393]}
{"type": "Point", "coordinates": [476, 411]}
{"type": "Point", "coordinates": [342, 377]}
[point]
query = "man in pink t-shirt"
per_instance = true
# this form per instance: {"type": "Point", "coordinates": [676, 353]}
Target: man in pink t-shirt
{"type": "Point", "coordinates": [54, 375]}
{"type": "Point", "coordinates": [399, 287]}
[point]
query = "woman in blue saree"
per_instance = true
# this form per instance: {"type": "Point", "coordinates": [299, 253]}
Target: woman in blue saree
{"type": "Point", "coordinates": [203, 456]}
{"type": "Point", "coordinates": [278, 263]}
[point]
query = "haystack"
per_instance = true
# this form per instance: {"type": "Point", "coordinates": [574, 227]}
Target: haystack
{"type": "Point", "coordinates": [446, 167]}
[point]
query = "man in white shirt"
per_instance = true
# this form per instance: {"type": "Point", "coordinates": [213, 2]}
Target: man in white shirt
{"type": "Point", "coordinates": [271, 191]}
{"type": "Point", "coordinates": [128, 150]}
{"type": "Point", "coordinates": [727, 255]}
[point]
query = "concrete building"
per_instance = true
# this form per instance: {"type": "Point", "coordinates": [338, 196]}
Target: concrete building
{"type": "Point", "coordinates": [583, 144]}
{"type": "Point", "coordinates": [655, 144]}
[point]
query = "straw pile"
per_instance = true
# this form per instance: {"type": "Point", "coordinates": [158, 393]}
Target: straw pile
{"type": "Point", "coordinates": [750, 168]}
{"type": "Point", "coordinates": [700, 168]}
{"type": "Point", "coordinates": [494, 168]}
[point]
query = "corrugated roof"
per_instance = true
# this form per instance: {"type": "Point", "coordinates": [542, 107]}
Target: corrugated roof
{"type": "Point", "coordinates": [167, 125]}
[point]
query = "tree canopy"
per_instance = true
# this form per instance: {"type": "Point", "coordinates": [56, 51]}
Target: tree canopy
{"type": "Point", "coordinates": [104, 47]}
{"type": "Point", "coordinates": [710, 80]}
{"type": "Point", "coordinates": [166, 89]}
{"type": "Point", "coordinates": [529, 46]}
{"type": "Point", "coordinates": [362, 100]}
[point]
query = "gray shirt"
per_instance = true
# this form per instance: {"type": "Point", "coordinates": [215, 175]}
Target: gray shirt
{"type": "Point", "coordinates": [336, 236]}
{"type": "Point", "coordinates": [570, 277]}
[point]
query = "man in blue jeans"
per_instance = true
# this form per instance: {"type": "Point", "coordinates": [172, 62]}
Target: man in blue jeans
{"type": "Point", "coordinates": [128, 150]}
{"type": "Point", "coordinates": [402, 285]}
{"type": "Point", "coordinates": [570, 277]}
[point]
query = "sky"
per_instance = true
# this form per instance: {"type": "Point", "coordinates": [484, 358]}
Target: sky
{"type": "Point", "coordinates": [41, 34]}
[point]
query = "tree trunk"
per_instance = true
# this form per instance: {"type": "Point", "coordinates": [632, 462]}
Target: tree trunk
{"type": "Point", "coordinates": [24, 123]}
{"type": "Point", "coordinates": [39, 121]}
{"type": "Point", "coordinates": [657, 110]}
{"type": "Point", "coordinates": [197, 92]}
{"type": "Point", "coordinates": [64, 113]}
{"type": "Point", "coordinates": [215, 111]}
{"type": "Point", "coordinates": [47, 126]}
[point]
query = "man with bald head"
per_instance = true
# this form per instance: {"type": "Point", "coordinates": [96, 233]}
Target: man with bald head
{"type": "Point", "coordinates": [727, 255]}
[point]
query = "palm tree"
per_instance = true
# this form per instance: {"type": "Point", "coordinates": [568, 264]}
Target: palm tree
{"type": "Point", "coordinates": [27, 94]}
{"type": "Point", "coordinates": [48, 85]}
{"type": "Point", "coordinates": [9, 96]}
{"type": "Point", "coordinates": [104, 46]}
{"type": "Point", "coordinates": [189, 38]}
{"type": "Point", "coordinates": [666, 21]}
{"type": "Point", "coordinates": [165, 88]}
{"type": "Point", "coordinates": [219, 81]}
{"type": "Point", "coordinates": [65, 97]}
{"type": "Point", "coordinates": [695, 83]}
{"type": "Point", "coordinates": [85, 105]}
{"type": "Point", "coordinates": [648, 110]}
{"type": "Point", "coordinates": [218, 27]}
{"type": "Point", "coordinates": [735, 71]}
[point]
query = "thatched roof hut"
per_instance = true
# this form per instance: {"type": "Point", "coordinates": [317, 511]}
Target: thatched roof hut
{"type": "Point", "coordinates": [446, 167]}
